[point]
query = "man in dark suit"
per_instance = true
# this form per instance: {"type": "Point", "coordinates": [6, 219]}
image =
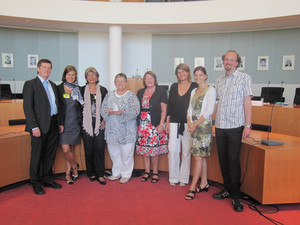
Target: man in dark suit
{"type": "Point", "coordinates": [42, 119]}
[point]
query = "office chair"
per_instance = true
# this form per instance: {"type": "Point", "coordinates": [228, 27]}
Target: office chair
{"type": "Point", "coordinates": [5, 91]}
{"type": "Point", "coordinates": [261, 127]}
{"type": "Point", "coordinates": [165, 87]}
{"type": "Point", "coordinates": [272, 94]}
{"type": "Point", "coordinates": [297, 96]}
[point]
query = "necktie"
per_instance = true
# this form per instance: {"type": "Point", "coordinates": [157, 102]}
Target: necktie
{"type": "Point", "coordinates": [49, 96]}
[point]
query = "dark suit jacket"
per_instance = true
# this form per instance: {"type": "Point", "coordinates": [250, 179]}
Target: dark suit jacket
{"type": "Point", "coordinates": [62, 105]}
{"type": "Point", "coordinates": [37, 107]}
{"type": "Point", "coordinates": [159, 95]}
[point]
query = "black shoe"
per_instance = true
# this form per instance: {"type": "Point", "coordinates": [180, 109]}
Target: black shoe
{"type": "Point", "coordinates": [153, 179]}
{"type": "Point", "coordinates": [37, 189]}
{"type": "Point", "coordinates": [52, 184]}
{"type": "Point", "coordinates": [145, 178]}
{"type": "Point", "coordinates": [237, 205]}
{"type": "Point", "coordinates": [221, 195]}
{"type": "Point", "coordinates": [100, 181]}
{"type": "Point", "coordinates": [199, 189]}
{"type": "Point", "coordinates": [190, 195]}
{"type": "Point", "coordinates": [92, 178]}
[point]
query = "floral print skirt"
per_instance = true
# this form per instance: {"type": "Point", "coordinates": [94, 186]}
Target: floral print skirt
{"type": "Point", "coordinates": [149, 142]}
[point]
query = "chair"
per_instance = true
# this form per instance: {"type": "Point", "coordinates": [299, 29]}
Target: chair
{"type": "Point", "coordinates": [261, 127]}
{"type": "Point", "coordinates": [256, 98]}
{"type": "Point", "coordinates": [297, 96]}
{"type": "Point", "coordinates": [165, 87]}
{"type": "Point", "coordinates": [16, 122]}
{"type": "Point", "coordinates": [272, 94]}
{"type": "Point", "coordinates": [5, 91]}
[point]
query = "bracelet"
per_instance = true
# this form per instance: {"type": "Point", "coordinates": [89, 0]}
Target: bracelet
{"type": "Point", "coordinates": [161, 124]}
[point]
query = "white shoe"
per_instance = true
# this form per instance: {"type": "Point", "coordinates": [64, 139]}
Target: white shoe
{"type": "Point", "coordinates": [172, 184]}
{"type": "Point", "coordinates": [124, 180]}
{"type": "Point", "coordinates": [112, 177]}
{"type": "Point", "coordinates": [181, 184]}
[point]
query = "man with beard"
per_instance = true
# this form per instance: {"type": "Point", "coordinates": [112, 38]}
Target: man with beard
{"type": "Point", "coordinates": [233, 122]}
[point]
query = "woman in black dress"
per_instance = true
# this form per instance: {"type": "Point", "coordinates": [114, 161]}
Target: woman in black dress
{"type": "Point", "coordinates": [93, 126]}
{"type": "Point", "coordinates": [70, 101]}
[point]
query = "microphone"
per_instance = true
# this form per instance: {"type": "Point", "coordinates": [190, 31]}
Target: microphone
{"type": "Point", "coordinates": [267, 141]}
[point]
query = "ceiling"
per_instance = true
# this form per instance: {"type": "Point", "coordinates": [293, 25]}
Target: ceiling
{"type": "Point", "coordinates": [235, 26]}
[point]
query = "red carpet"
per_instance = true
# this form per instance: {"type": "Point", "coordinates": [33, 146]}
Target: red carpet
{"type": "Point", "coordinates": [89, 203]}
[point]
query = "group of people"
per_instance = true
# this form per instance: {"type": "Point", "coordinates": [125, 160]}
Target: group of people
{"type": "Point", "coordinates": [150, 122]}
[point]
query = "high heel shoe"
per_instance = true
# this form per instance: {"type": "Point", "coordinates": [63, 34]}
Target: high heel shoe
{"type": "Point", "coordinates": [75, 174]}
{"type": "Point", "coordinates": [199, 189]}
{"type": "Point", "coordinates": [190, 197]}
{"type": "Point", "coordinates": [69, 179]}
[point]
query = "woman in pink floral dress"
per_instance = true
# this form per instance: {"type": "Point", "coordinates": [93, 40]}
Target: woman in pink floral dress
{"type": "Point", "coordinates": [152, 137]}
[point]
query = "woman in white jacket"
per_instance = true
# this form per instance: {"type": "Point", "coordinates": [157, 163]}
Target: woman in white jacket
{"type": "Point", "coordinates": [201, 107]}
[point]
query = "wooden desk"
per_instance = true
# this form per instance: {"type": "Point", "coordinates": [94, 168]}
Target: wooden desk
{"type": "Point", "coordinates": [271, 173]}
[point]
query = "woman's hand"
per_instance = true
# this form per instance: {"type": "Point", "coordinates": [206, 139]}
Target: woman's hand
{"type": "Point", "coordinates": [117, 113]}
{"type": "Point", "coordinates": [192, 127]}
{"type": "Point", "coordinates": [102, 126]}
{"type": "Point", "coordinates": [160, 129]}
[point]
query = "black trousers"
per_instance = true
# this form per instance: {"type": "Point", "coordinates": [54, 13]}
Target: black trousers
{"type": "Point", "coordinates": [94, 153]}
{"type": "Point", "coordinates": [229, 142]}
{"type": "Point", "coordinates": [43, 153]}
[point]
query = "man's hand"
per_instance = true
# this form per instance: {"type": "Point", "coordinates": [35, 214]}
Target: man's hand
{"type": "Point", "coordinates": [246, 132]}
{"type": "Point", "coordinates": [36, 132]}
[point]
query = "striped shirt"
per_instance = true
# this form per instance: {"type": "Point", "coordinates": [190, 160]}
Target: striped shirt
{"type": "Point", "coordinates": [231, 92]}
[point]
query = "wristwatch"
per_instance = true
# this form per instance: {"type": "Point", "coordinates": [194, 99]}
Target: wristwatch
{"type": "Point", "coordinates": [248, 126]}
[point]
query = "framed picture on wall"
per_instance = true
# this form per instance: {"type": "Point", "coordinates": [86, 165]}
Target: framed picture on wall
{"type": "Point", "coordinates": [177, 61]}
{"type": "Point", "coordinates": [32, 60]}
{"type": "Point", "coordinates": [263, 63]}
{"type": "Point", "coordinates": [242, 64]}
{"type": "Point", "coordinates": [199, 61]}
{"type": "Point", "coordinates": [7, 60]}
{"type": "Point", "coordinates": [288, 62]}
{"type": "Point", "coordinates": [218, 63]}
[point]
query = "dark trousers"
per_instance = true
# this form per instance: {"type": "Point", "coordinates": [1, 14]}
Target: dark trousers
{"type": "Point", "coordinates": [229, 142]}
{"type": "Point", "coordinates": [94, 153]}
{"type": "Point", "coordinates": [43, 153]}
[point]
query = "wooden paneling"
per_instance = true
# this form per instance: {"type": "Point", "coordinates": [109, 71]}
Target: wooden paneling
{"type": "Point", "coordinates": [271, 173]}
{"type": "Point", "coordinates": [10, 110]}
{"type": "Point", "coordinates": [134, 84]}
{"type": "Point", "coordinates": [285, 120]}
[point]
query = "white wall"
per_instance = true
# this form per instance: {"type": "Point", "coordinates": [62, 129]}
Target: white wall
{"type": "Point", "coordinates": [137, 53]}
{"type": "Point", "coordinates": [93, 51]}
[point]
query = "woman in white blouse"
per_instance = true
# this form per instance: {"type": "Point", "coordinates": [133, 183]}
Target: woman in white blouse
{"type": "Point", "coordinates": [201, 107]}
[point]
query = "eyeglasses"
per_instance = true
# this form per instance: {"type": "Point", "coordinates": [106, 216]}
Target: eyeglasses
{"type": "Point", "coordinates": [229, 60]}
